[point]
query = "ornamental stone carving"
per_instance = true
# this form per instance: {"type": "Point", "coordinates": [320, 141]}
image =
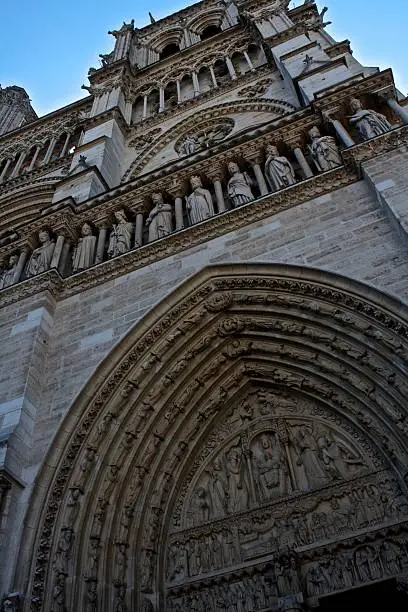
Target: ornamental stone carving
{"type": "Point", "coordinates": [41, 257]}
{"type": "Point", "coordinates": [279, 171]}
{"type": "Point", "coordinates": [120, 239]}
{"type": "Point", "coordinates": [159, 222]}
{"type": "Point", "coordinates": [239, 186]}
{"type": "Point", "coordinates": [368, 122]}
{"type": "Point", "coordinates": [83, 255]}
{"type": "Point", "coordinates": [199, 203]}
{"type": "Point", "coordinates": [188, 146]}
{"type": "Point", "coordinates": [324, 151]}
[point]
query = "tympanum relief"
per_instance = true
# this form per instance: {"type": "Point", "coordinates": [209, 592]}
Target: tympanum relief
{"type": "Point", "coordinates": [279, 474]}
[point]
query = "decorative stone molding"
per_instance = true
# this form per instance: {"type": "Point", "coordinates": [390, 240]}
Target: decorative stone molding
{"type": "Point", "coordinates": [236, 347]}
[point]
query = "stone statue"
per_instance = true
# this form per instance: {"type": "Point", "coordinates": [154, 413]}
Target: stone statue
{"type": "Point", "coordinates": [91, 596]}
{"type": "Point", "coordinates": [200, 203]}
{"type": "Point", "coordinates": [7, 276]}
{"type": "Point", "coordinates": [159, 220]}
{"type": "Point", "coordinates": [278, 170]}
{"type": "Point", "coordinates": [337, 460]}
{"type": "Point", "coordinates": [73, 506]}
{"type": "Point", "coordinates": [84, 253]}
{"type": "Point", "coordinates": [309, 458]}
{"type": "Point", "coordinates": [188, 146]}
{"type": "Point", "coordinates": [58, 593]}
{"type": "Point", "coordinates": [270, 467]}
{"type": "Point", "coordinates": [369, 123]}
{"type": "Point", "coordinates": [41, 257]}
{"type": "Point", "coordinates": [121, 235]}
{"type": "Point", "coordinates": [324, 151]}
{"type": "Point", "coordinates": [238, 490]}
{"type": "Point", "coordinates": [218, 488]}
{"type": "Point", "coordinates": [119, 604]}
{"type": "Point", "coordinates": [239, 186]}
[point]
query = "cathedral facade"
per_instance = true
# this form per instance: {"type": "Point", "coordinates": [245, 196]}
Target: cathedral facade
{"type": "Point", "coordinates": [204, 325]}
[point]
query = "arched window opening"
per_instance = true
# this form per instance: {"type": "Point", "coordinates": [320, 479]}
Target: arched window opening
{"type": "Point", "coordinates": [138, 110]}
{"type": "Point", "coordinates": [187, 87]}
{"type": "Point", "coordinates": [153, 104]}
{"type": "Point", "coordinates": [210, 31]}
{"type": "Point", "coordinates": [221, 72]}
{"type": "Point", "coordinates": [169, 50]}
{"type": "Point", "coordinates": [239, 62]}
{"type": "Point", "coordinates": [205, 80]}
{"type": "Point", "coordinates": [170, 95]}
{"type": "Point", "coordinates": [256, 55]}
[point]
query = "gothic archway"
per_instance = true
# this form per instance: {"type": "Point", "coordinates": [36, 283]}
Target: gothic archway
{"type": "Point", "coordinates": [244, 445]}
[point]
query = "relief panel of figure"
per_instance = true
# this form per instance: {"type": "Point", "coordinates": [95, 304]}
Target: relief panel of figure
{"type": "Point", "coordinates": [270, 467]}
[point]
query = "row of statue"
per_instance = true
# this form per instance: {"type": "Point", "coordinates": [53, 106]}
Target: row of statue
{"type": "Point", "coordinates": [271, 469]}
{"type": "Point", "coordinates": [279, 173]}
{"type": "Point", "coordinates": [284, 578]}
{"type": "Point", "coordinates": [267, 531]}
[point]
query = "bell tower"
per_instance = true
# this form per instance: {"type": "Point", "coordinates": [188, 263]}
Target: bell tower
{"type": "Point", "coordinates": [15, 108]}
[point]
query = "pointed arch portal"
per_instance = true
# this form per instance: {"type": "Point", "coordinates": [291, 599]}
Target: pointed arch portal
{"type": "Point", "coordinates": [244, 447]}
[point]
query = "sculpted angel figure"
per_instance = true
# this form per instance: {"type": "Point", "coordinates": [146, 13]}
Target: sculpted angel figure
{"type": "Point", "coordinates": [189, 146]}
{"type": "Point", "coordinates": [278, 170]}
{"type": "Point", "coordinates": [41, 257]}
{"type": "Point", "coordinates": [199, 203]}
{"type": "Point", "coordinates": [324, 151]}
{"type": "Point", "coordinates": [368, 122]}
{"type": "Point", "coordinates": [239, 186]}
{"type": "Point", "coordinates": [121, 235]}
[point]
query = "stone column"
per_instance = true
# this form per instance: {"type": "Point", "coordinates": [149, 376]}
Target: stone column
{"type": "Point", "coordinates": [6, 167]}
{"type": "Point", "coordinates": [56, 257]}
{"type": "Point", "coordinates": [255, 160]}
{"type": "Point", "coordinates": [231, 68]}
{"type": "Point", "coordinates": [145, 99]}
{"type": "Point", "coordinates": [177, 192]}
{"type": "Point", "coordinates": [343, 134]}
{"type": "Point", "coordinates": [64, 257]}
{"type": "Point", "coordinates": [214, 78]}
{"type": "Point", "coordinates": [248, 61]}
{"type": "Point", "coordinates": [65, 147]}
{"type": "Point", "coordinates": [50, 150]}
{"type": "Point", "coordinates": [100, 247]}
{"type": "Point", "coordinates": [139, 230]}
{"type": "Point", "coordinates": [19, 163]}
{"type": "Point", "coordinates": [178, 84]}
{"type": "Point", "coordinates": [215, 176]}
{"type": "Point", "coordinates": [196, 84]}
{"type": "Point", "coordinates": [20, 265]}
{"type": "Point", "coordinates": [34, 159]}
{"type": "Point", "coordinates": [161, 102]}
{"type": "Point", "coordinates": [303, 163]}
{"type": "Point", "coordinates": [400, 111]}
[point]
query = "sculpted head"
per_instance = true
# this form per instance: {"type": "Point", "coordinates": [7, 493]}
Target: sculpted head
{"type": "Point", "coordinates": [120, 215]}
{"type": "Point", "coordinates": [86, 229]}
{"type": "Point", "coordinates": [314, 133]}
{"type": "Point", "coordinates": [233, 168]}
{"type": "Point", "coordinates": [355, 105]}
{"type": "Point", "coordinates": [272, 150]}
{"type": "Point", "coordinates": [157, 198]}
{"type": "Point", "coordinates": [43, 236]}
{"type": "Point", "coordinates": [195, 182]}
{"type": "Point", "coordinates": [13, 261]}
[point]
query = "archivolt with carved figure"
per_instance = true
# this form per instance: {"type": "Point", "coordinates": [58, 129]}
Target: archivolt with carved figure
{"type": "Point", "coordinates": [243, 447]}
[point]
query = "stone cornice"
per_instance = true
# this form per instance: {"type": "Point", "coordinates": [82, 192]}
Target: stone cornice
{"type": "Point", "coordinates": [218, 225]}
{"type": "Point", "coordinates": [37, 174]}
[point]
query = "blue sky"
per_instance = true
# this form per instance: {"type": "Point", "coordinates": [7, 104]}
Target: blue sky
{"type": "Point", "coordinates": [47, 46]}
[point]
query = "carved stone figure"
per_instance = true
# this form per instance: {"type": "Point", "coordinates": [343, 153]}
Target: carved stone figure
{"type": "Point", "coordinates": [199, 203]}
{"type": "Point", "coordinates": [368, 122]}
{"type": "Point", "coordinates": [72, 507]}
{"type": "Point", "coordinates": [119, 604]}
{"type": "Point", "coordinates": [58, 593]}
{"type": "Point", "coordinates": [121, 561]}
{"type": "Point", "coordinates": [63, 551]}
{"type": "Point", "coordinates": [218, 488]}
{"type": "Point", "coordinates": [238, 490]}
{"type": "Point", "coordinates": [189, 146]}
{"type": "Point", "coordinates": [324, 151]}
{"type": "Point", "coordinates": [239, 186]}
{"type": "Point", "coordinates": [278, 170]}
{"type": "Point", "coordinates": [337, 460]}
{"type": "Point", "coordinates": [41, 257]}
{"type": "Point", "coordinates": [120, 238]}
{"type": "Point", "coordinates": [84, 253]}
{"type": "Point", "coordinates": [91, 596]}
{"type": "Point", "coordinates": [270, 467]}
{"type": "Point", "coordinates": [159, 220]}
{"type": "Point", "coordinates": [308, 457]}
{"type": "Point", "coordinates": [7, 276]}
